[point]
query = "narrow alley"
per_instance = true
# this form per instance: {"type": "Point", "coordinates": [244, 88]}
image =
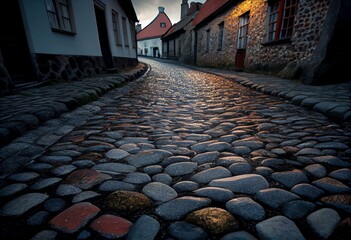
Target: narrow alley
{"type": "Point", "coordinates": [183, 154]}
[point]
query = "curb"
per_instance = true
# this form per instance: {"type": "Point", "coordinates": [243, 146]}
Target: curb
{"type": "Point", "coordinates": [86, 91]}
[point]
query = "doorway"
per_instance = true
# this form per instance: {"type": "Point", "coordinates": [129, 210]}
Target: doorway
{"type": "Point", "coordinates": [242, 40]}
{"type": "Point", "coordinates": [13, 44]}
{"type": "Point", "coordinates": [103, 37]}
{"type": "Point", "coordinates": [156, 52]}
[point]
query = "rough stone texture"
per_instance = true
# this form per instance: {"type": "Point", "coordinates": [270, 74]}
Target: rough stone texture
{"type": "Point", "coordinates": [74, 217]}
{"type": "Point", "coordinates": [127, 201]}
{"type": "Point", "coordinates": [277, 228]}
{"type": "Point", "coordinates": [214, 220]}
{"type": "Point", "coordinates": [340, 201]}
{"type": "Point", "coordinates": [275, 197]}
{"type": "Point", "coordinates": [323, 222]}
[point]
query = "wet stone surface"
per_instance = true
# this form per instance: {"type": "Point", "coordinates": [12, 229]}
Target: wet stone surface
{"type": "Point", "coordinates": [174, 153]}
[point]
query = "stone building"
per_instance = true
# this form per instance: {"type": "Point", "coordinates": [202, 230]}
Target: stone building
{"type": "Point", "coordinates": [64, 40]}
{"type": "Point", "coordinates": [177, 41]}
{"type": "Point", "coordinates": [260, 36]}
{"type": "Point", "coordinates": [149, 38]}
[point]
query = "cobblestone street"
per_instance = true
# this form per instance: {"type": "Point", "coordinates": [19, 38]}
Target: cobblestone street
{"type": "Point", "coordinates": [183, 154]}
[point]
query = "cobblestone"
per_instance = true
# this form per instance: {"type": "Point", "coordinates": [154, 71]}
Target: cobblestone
{"type": "Point", "coordinates": [177, 143]}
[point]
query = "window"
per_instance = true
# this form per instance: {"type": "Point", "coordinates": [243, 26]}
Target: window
{"type": "Point", "coordinates": [243, 31]}
{"type": "Point", "coordinates": [60, 15]}
{"type": "Point", "coordinates": [220, 36]}
{"type": "Point", "coordinates": [125, 32]}
{"type": "Point", "coordinates": [281, 16]}
{"type": "Point", "coordinates": [133, 34]}
{"type": "Point", "coordinates": [162, 24]}
{"type": "Point", "coordinates": [208, 37]}
{"type": "Point", "coordinates": [115, 23]}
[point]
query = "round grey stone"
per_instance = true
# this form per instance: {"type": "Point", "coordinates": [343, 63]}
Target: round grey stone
{"type": "Point", "coordinates": [54, 204]}
{"type": "Point", "coordinates": [211, 174]}
{"type": "Point", "coordinates": [323, 222]}
{"type": "Point", "coordinates": [24, 177]}
{"type": "Point", "coordinates": [67, 190]}
{"type": "Point", "coordinates": [84, 196]}
{"type": "Point", "coordinates": [297, 209]}
{"type": "Point", "coordinates": [117, 154]}
{"type": "Point", "coordinates": [179, 207]}
{"type": "Point", "coordinates": [45, 235]}
{"type": "Point", "coordinates": [162, 178]}
{"type": "Point", "coordinates": [278, 228]}
{"type": "Point", "coordinates": [181, 168]}
{"type": "Point", "coordinates": [246, 208]}
{"type": "Point", "coordinates": [153, 169]}
{"type": "Point", "coordinates": [137, 178]}
{"type": "Point", "coordinates": [38, 219]}
{"type": "Point", "coordinates": [214, 193]}
{"type": "Point", "coordinates": [145, 228]}
{"type": "Point", "coordinates": [186, 231]}
{"type": "Point", "coordinates": [240, 168]}
{"type": "Point", "coordinates": [45, 183]}
{"type": "Point", "coordinates": [22, 204]}
{"type": "Point", "coordinates": [307, 190]}
{"type": "Point", "coordinates": [159, 192]}
{"type": "Point", "coordinates": [275, 197]}
{"type": "Point", "coordinates": [240, 235]}
{"type": "Point", "coordinates": [12, 189]}
{"type": "Point", "coordinates": [112, 186]}
{"type": "Point", "coordinates": [290, 178]}
{"type": "Point", "coordinates": [185, 186]}
{"type": "Point", "coordinates": [247, 183]}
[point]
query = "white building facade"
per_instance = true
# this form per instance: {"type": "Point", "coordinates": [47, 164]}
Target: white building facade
{"type": "Point", "coordinates": [68, 39]}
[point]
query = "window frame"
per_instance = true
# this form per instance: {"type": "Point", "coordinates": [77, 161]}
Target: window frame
{"type": "Point", "coordinates": [115, 24]}
{"type": "Point", "coordinates": [57, 13]}
{"type": "Point", "coordinates": [133, 34]}
{"type": "Point", "coordinates": [208, 37]}
{"type": "Point", "coordinates": [243, 30]}
{"type": "Point", "coordinates": [276, 18]}
{"type": "Point", "coordinates": [220, 36]}
{"type": "Point", "coordinates": [125, 31]}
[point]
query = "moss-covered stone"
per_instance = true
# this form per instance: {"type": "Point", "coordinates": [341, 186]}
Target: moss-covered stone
{"type": "Point", "coordinates": [128, 201]}
{"type": "Point", "coordinates": [214, 220]}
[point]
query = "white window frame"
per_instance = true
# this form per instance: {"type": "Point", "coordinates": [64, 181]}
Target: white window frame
{"type": "Point", "coordinates": [243, 30]}
{"type": "Point", "coordinates": [115, 24]}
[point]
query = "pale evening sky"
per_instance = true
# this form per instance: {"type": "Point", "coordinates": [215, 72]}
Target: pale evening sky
{"type": "Point", "coordinates": [147, 10]}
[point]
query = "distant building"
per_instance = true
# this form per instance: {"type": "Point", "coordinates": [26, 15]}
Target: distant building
{"type": "Point", "coordinates": [177, 41]}
{"type": "Point", "coordinates": [149, 38]}
{"type": "Point", "coordinates": [274, 36]}
{"type": "Point", "coordinates": [64, 39]}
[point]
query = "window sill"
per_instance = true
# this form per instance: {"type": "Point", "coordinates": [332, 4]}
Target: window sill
{"type": "Point", "coordinates": [63, 31]}
{"type": "Point", "coordinates": [277, 42]}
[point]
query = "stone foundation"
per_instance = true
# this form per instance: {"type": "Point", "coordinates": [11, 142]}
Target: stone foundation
{"type": "Point", "coordinates": [67, 68]}
{"type": "Point", "coordinates": [121, 62]}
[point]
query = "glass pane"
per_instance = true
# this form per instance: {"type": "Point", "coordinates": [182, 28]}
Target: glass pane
{"type": "Point", "coordinates": [53, 20]}
{"type": "Point", "coordinates": [64, 11]}
{"type": "Point", "coordinates": [67, 24]}
{"type": "Point", "coordinates": [50, 5]}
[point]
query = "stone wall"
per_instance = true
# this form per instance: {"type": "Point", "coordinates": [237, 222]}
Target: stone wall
{"type": "Point", "coordinates": [260, 56]}
{"type": "Point", "coordinates": [67, 68]}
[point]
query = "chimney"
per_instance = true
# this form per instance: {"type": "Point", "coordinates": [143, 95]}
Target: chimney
{"type": "Point", "coordinates": [184, 9]}
{"type": "Point", "coordinates": [138, 27]}
{"type": "Point", "coordinates": [161, 9]}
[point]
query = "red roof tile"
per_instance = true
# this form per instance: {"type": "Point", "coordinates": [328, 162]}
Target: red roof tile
{"type": "Point", "coordinates": [154, 29]}
{"type": "Point", "coordinates": [208, 9]}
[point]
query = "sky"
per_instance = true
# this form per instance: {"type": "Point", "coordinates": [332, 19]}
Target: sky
{"type": "Point", "coordinates": [147, 10]}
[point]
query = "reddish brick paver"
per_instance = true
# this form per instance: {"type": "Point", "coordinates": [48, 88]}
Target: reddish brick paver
{"type": "Point", "coordinates": [111, 226]}
{"type": "Point", "coordinates": [74, 217]}
{"type": "Point", "coordinates": [86, 178]}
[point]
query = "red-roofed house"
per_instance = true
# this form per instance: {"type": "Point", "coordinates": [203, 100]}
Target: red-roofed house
{"type": "Point", "coordinates": [177, 41]}
{"type": "Point", "coordinates": [149, 38]}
